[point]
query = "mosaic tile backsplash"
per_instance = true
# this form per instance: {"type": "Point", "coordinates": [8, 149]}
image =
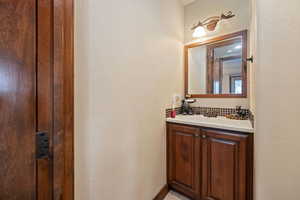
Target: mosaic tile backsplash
{"type": "Point", "coordinates": [218, 111]}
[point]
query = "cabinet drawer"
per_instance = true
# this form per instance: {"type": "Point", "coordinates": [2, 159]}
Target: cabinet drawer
{"type": "Point", "coordinates": [184, 129]}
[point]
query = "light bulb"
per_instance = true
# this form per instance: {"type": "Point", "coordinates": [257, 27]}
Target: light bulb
{"type": "Point", "coordinates": [238, 46]}
{"type": "Point", "coordinates": [199, 32]}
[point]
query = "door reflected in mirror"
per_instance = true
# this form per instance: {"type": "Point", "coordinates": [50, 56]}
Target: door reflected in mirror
{"type": "Point", "coordinates": [218, 67]}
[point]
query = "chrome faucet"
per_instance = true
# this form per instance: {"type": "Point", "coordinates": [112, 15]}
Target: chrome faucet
{"type": "Point", "coordinates": [185, 108]}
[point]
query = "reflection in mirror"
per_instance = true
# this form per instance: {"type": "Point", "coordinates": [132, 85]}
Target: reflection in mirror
{"type": "Point", "coordinates": [225, 67]}
{"type": "Point", "coordinates": [217, 68]}
{"type": "Point", "coordinates": [197, 70]}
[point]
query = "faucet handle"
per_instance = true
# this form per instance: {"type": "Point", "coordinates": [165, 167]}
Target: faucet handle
{"type": "Point", "coordinates": [238, 107]}
{"type": "Point", "coordinates": [190, 100]}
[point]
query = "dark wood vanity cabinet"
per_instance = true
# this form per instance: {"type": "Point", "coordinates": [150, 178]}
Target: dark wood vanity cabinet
{"type": "Point", "coordinates": [208, 164]}
{"type": "Point", "coordinates": [183, 159]}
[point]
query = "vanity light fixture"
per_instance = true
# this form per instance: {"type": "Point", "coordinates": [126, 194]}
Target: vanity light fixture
{"type": "Point", "coordinates": [210, 24]}
{"type": "Point", "coordinates": [199, 32]}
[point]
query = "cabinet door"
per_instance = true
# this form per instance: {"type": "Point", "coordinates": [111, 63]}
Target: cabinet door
{"type": "Point", "coordinates": [224, 166]}
{"type": "Point", "coordinates": [184, 160]}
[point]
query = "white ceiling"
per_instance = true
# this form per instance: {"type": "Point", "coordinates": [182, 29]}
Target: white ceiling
{"type": "Point", "coordinates": [187, 2]}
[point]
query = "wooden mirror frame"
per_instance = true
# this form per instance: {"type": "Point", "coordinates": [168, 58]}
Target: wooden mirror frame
{"type": "Point", "coordinates": [244, 35]}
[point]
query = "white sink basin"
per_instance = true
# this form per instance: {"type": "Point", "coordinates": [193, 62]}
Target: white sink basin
{"type": "Point", "coordinates": [218, 122]}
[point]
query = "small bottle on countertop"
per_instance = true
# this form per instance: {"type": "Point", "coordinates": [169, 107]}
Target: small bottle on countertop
{"type": "Point", "coordinates": [173, 112]}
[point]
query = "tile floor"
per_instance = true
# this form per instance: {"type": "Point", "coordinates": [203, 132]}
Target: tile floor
{"type": "Point", "coordinates": [175, 196]}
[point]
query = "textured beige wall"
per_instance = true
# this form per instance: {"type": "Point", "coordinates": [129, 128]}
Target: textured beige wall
{"type": "Point", "coordinates": [202, 9]}
{"type": "Point", "coordinates": [128, 64]}
{"type": "Point", "coordinates": [277, 160]}
{"type": "Point", "coordinates": [253, 52]}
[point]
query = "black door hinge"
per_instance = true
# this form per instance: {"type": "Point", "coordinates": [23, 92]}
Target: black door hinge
{"type": "Point", "coordinates": [251, 59]}
{"type": "Point", "coordinates": [42, 145]}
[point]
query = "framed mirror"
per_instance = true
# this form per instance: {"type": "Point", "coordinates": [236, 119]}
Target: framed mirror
{"type": "Point", "coordinates": [217, 68]}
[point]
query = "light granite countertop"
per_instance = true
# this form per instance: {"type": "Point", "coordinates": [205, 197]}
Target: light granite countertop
{"type": "Point", "coordinates": [218, 122]}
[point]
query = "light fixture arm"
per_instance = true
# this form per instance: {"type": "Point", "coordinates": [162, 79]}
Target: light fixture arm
{"type": "Point", "coordinates": [211, 22]}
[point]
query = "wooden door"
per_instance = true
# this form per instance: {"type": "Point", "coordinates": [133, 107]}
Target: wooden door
{"type": "Point", "coordinates": [17, 99]}
{"type": "Point", "coordinates": [224, 166]}
{"type": "Point", "coordinates": [184, 159]}
{"type": "Point", "coordinates": [35, 73]}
